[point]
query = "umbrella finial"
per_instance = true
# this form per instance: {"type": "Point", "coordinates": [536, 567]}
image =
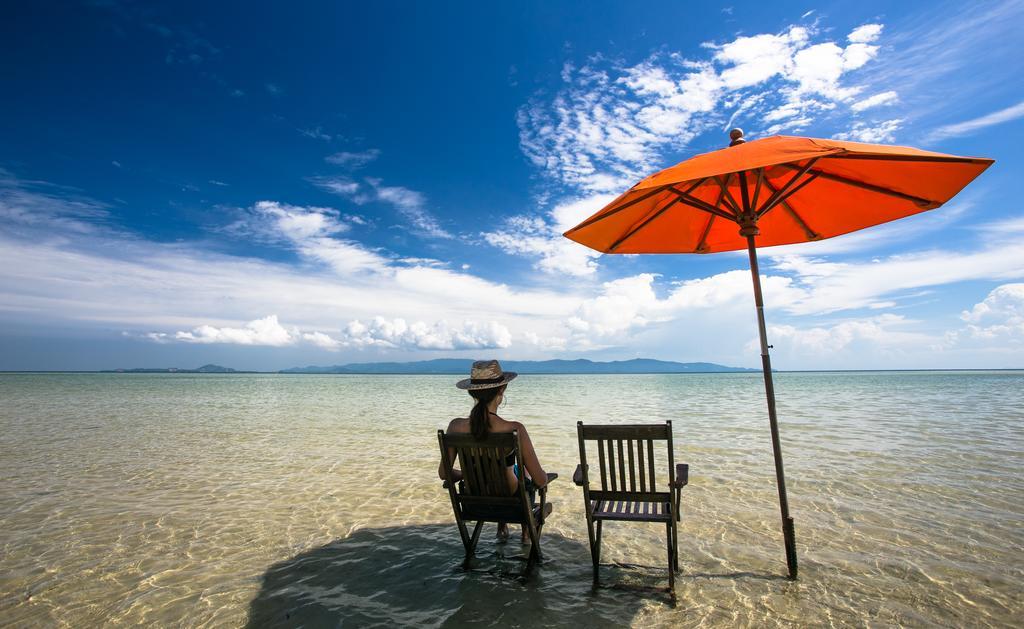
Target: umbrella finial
{"type": "Point", "coordinates": [736, 135]}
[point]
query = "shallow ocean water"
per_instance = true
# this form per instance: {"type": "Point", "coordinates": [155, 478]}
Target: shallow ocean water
{"type": "Point", "coordinates": [274, 500]}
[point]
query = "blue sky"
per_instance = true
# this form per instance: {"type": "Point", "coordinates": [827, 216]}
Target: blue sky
{"type": "Point", "coordinates": [322, 183]}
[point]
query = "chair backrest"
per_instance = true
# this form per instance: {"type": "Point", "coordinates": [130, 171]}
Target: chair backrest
{"type": "Point", "coordinates": [482, 461]}
{"type": "Point", "coordinates": [629, 463]}
{"type": "Point", "coordinates": [483, 492]}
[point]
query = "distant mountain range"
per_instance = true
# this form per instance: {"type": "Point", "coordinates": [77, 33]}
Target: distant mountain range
{"type": "Point", "coordinates": [460, 366]}
{"type": "Point", "coordinates": [203, 369]}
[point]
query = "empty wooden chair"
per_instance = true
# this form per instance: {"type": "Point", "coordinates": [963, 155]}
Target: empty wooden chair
{"type": "Point", "coordinates": [627, 482]}
{"type": "Point", "coordinates": [482, 494]}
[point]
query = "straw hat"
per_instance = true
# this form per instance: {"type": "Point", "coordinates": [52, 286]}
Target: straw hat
{"type": "Point", "coordinates": [486, 374]}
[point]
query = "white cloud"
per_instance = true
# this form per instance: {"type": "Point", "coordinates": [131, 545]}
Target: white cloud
{"type": "Point", "coordinates": [323, 341]}
{"type": "Point", "coordinates": [885, 332]}
{"type": "Point", "coordinates": [631, 303]}
{"type": "Point", "coordinates": [1003, 227]}
{"type": "Point", "coordinates": [341, 186]}
{"type": "Point", "coordinates": [317, 133]}
{"type": "Point", "coordinates": [545, 343]}
{"type": "Point", "coordinates": [398, 334]}
{"type": "Point", "coordinates": [570, 212]}
{"type": "Point", "coordinates": [534, 238]}
{"type": "Point", "coordinates": [266, 331]}
{"type": "Point", "coordinates": [411, 204]}
{"type": "Point", "coordinates": [352, 159]}
{"type": "Point", "coordinates": [865, 34]}
{"type": "Point", "coordinates": [541, 238]}
{"type": "Point", "coordinates": [834, 286]}
{"type": "Point", "coordinates": [611, 125]}
{"type": "Point", "coordinates": [36, 205]}
{"type": "Point", "coordinates": [379, 333]}
{"type": "Point", "coordinates": [970, 126]}
{"type": "Point", "coordinates": [789, 125]}
{"type": "Point", "coordinates": [298, 223]}
{"type": "Point", "coordinates": [625, 304]}
{"type": "Point", "coordinates": [756, 59]}
{"type": "Point", "coordinates": [799, 286]}
{"type": "Point", "coordinates": [312, 233]}
{"type": "Point", "coordinates": [876, 132]}
{"type": "Point", "coordinates": [999, 316]}
{"type": "Point", "coordinates": [882, 98]}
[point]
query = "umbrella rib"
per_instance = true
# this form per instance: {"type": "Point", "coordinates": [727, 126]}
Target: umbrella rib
{"type": "Point", "coordinates": [757, 187]}
{"type": "Point", "coordinates": [777, 195]}
{"type": "Point", "coordinates": [744, 190]}
{"type": "Point", "coordinates": [783, 198]}
{"type": "Point", "coordinates": [702, 244]}
{"type": "Point", "coordinates": [643, 223]}
{"type": "Point", "coordinates": [594, 219]}
{"type": "Point", "coordinates": [651, 216]}
{"type": "Point", "coordinates": [873, 188]}
{"type": "Point", "coordinates": [810, 233]}
{"type": "Point", "coordinates": [731, 202]}
{"type": "Point", "coordinates": [694, 202]}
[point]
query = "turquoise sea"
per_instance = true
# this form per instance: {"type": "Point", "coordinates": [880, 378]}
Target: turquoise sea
{"type": "Point", "coordinates": [271, 500]}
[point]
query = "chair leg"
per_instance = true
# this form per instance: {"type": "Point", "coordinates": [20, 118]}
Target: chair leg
{"type": "Point", "coordinates": [531, 561]}
{"type": "Point", "coordinates": [535, 540]}
{"type": "Point", "coordinates": [470, 541]}
{"type": "Point", "coordinates": [668, 544]}
{"type": "Point", "coordinates": [675, 546]}
{"type": "Point", "coordinates": [476, 533]}
{"type": "Point", "coordinates": [590, 536]}
{"type": "Point", "coordinates": [597, 555]}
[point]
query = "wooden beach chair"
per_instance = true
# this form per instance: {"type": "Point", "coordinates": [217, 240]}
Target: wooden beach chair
{"type": "Point", "coordinates": [629, 488]}
{"type": "Point", "coordinates": [482, 494]}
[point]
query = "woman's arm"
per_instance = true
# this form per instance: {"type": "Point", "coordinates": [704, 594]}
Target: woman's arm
{"type": "Point", "coordinates": [456, 473]}
{"type": "Point", "coordinates": [537, 473]}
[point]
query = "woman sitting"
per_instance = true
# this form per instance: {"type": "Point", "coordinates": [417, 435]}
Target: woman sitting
{"type": "Point", "coordinates": [486, 384]}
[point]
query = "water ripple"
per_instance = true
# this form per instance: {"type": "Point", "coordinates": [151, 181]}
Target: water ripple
{"type": "Point", "coordinates": [188, 500]}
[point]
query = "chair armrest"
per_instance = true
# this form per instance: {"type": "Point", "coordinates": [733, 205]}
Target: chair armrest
{"type": "Point", "coordinates": [682, 476]}
{"type": "Point", "coordinates": [577, 476]}
{"type": "Point", "coordinates": [544, 490]}
{"type": "Point", "coordinates": [456, 476]}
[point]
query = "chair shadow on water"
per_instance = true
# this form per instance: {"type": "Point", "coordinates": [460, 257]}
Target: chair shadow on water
{"type": "Point", "coordinates": [412, 575]}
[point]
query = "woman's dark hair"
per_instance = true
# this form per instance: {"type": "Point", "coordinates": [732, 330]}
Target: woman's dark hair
{"type": "Point", "coordinates": [479, 416]}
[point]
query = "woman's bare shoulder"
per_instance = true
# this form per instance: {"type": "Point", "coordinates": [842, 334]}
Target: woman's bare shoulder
{"type": "Point", "coordinates": [511, 425]}
{"type": "Point", "coordinates": [459, 424]}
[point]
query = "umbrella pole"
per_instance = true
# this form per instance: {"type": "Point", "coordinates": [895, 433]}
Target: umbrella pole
{"type": "Point", "coordinates": [769, 389]}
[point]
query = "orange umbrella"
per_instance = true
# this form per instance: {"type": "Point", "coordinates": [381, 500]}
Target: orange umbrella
{"type": "Point", "coordinates": [776, 191]}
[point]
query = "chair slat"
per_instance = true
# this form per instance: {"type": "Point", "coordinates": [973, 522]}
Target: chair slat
{"type": "Point", "coordinates": [622, 464]}
{"type": "Point", "coordinates": [478, 469]}
{"type": "Point", "coordinates": [600, 456]}
{"type": "Point", "coordinates": [640, 460]}
{"type": "Point", "coordinates": [650, 464]}
{"type": "Point", "coordinates": [611, 464]}
{"type": "Point", "coordinates": [495, 473]}
{"type": "Point", "coordinates": [632, 466]}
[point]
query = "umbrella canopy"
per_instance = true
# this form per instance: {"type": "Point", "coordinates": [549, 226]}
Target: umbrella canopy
{"type": "Point", "coordinates": [795, 189]}
{"type": "Point", "coordinates": [777, 191]}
